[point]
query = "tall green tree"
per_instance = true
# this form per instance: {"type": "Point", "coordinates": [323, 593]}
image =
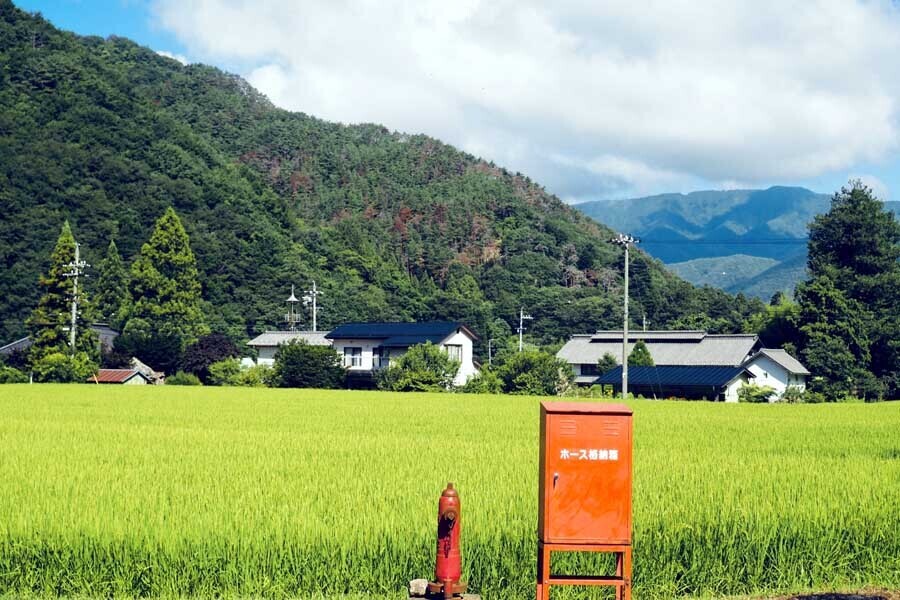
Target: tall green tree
{"type": "Point", "coordinates": [857, 243]}
{"type": "Point", "coordinates": [640, 355]}
{"type": "Point", "coordinates": [50, 321]}
{"type": "Point", "coordinates": [111, 296]}
{"type": "Point", "coordinates": [848, 307]}
{"type": "Point", "coordinates": [165, 295]}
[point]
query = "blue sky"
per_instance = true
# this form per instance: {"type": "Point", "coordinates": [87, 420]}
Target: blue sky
{"type": "Point", "coordinates": [593, 102]}
{"type": "Point", "coordinates": [127, 18]}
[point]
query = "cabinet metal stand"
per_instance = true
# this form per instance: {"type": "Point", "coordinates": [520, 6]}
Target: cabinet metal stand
{"type": "Point", "coordinates": [621, 580]}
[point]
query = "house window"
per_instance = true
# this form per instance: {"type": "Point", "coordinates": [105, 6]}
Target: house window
{"type": "Point", "coordinates": [352, 357]}
{"type": "Point", "coordinates": [590, 369]}
{"type": "Point", "coordinates": [381, 357]}
{"type": "Point", "coordinates": [454, 351]}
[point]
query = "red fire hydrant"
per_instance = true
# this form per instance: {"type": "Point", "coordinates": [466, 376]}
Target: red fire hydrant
{"type": "Point", "coordinates": [448, 564]}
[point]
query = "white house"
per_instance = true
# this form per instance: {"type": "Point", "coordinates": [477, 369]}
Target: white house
{"type": "Point", "coordinates": [368, 347]}
{"type": "Point", "coordinates": [267, 343]}
{"type": "Point", "coordinates": [778, 370]}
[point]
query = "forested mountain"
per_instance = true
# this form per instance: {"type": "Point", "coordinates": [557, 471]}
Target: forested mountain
{"type": "Point", "coordinates": [726, 232]}
{"type": "Point", "coordinates": [682, 227]}
{"type": "Point", "coordinates": [108, 134]}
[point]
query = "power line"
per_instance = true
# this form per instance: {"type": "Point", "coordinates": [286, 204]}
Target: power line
{"type": "Point", "coordinates": [755, 242]}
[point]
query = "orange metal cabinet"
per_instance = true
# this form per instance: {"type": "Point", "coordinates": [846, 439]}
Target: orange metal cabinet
{"type": "Point", "coordinates": [585, 488]}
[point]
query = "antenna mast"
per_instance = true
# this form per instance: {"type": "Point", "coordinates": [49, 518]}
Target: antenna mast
{"type": "Point", "coordinates": [292, 318]}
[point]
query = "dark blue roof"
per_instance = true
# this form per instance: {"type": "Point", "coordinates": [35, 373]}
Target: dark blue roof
{"type": "Point", "coordinates": [399, 334]}
{"type": "Point", "coordinates": [673, 375]}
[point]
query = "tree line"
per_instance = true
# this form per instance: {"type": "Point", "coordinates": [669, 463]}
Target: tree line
{"type": "Point", "coordinates": [844, 321]}
{"type": "Point", "coordinates": [155, 302]}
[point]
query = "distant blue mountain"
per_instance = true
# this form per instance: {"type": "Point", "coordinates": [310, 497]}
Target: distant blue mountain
{"type": "Point", "coordinates": [737, 226]}
{"type": "Point", "coordinates": [682, 227]}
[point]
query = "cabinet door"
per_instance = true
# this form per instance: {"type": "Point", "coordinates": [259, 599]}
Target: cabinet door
{"type": "Point", "coordinates": [588, 479]}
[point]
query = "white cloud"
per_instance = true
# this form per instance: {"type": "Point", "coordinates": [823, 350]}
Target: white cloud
{"type": "Point", "coordinates": [878, 187]}
{"type": "Point", "coordinates": [621, 96]}
{"type": "Point", "coordinates": [179, 57]}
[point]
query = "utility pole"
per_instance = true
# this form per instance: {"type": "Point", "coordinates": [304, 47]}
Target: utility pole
{"type": "Point", "coordinates": [490, 356]}
{"type": "Point", "coordinates": [76, 268]}
{"type": "Point", "coordinates": [625, 241]}
{"type": "Point", "coordinates": [522, 318]}
{"type": "Point", "coordinates": [310, 299]}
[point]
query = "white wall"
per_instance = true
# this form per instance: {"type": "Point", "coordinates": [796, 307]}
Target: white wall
{"type": "Point", "coordinates": [467, 367]}
{"type": "Point", "coordinates": [136, 380]}
{"type": "Point", "coordinates": [466, 370]}
{"type": "Point", "coordinates": [770, 373]}
{"type": "Point", "coordinates": [731, 390]}
{"type": "Point", "coordinates": [266, 355]}
{"type": "Point", "coordinates": [367, 352]}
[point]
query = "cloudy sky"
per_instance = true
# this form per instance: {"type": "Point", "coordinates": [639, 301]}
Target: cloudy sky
{"type": "Point", "coordinates": [592, 99]}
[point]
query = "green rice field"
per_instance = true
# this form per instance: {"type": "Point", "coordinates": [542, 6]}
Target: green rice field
{"type": "Point", "coordinates": [198, 492]}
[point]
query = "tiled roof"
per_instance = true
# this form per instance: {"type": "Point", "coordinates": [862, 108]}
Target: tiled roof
{"type": "Point", "coordinates": [688, 348]}
{"type": "Point", "coordinates": [781, 357]}
{"type": "Point", "coordinates": [683, 335]}
{"type": "Point", "coordinates": [20, 344]}
{"type": "Point", "coordinates": [430, 330]}
{"type": "Point", "coordinates": [115, 375]}
{"type": "Point", "coordinates": [276, 338]}
{"type": "Point", "coordinates": [674, 376]}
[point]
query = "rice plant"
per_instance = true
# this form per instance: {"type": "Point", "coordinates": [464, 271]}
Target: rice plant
{"type": "Point", "coordinates": [116, 491]}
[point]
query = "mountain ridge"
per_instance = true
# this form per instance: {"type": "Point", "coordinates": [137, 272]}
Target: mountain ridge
{"type": "Point", "coordinates": [697, 233]}
{"type": "Point", "coordinates": [390, 225]}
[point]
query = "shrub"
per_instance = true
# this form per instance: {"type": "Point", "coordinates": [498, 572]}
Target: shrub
{"type": "Point", "coordinates": [256, 376]}
{"type": "Point", "coordinates": [224, 372]}
{"type": "Point", "coordinates": [57, 367]}
{"type": "Point", "coordinates": [594, 391]}
{"type": "Point", "coordinates": [485, 382]}
{"type": "Point", "coordinates": [209, 349]}
{"type": "Point", "coordinates": [793, 395]}
{"type": "Point", "coordinates": [182, 378]}
{"type": "Point", "coordinates": [298, 364]}
{"type": "Point", "coordinates": [535, 373]}
{"type": "Point", "coordinates": [424, 368]}
{"type": "Point", "coordinates": [12, 375]}
{"type": "Point", "coordinates": [751, 392]}
{"type": "Point", "coordinates": [231, 372]}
